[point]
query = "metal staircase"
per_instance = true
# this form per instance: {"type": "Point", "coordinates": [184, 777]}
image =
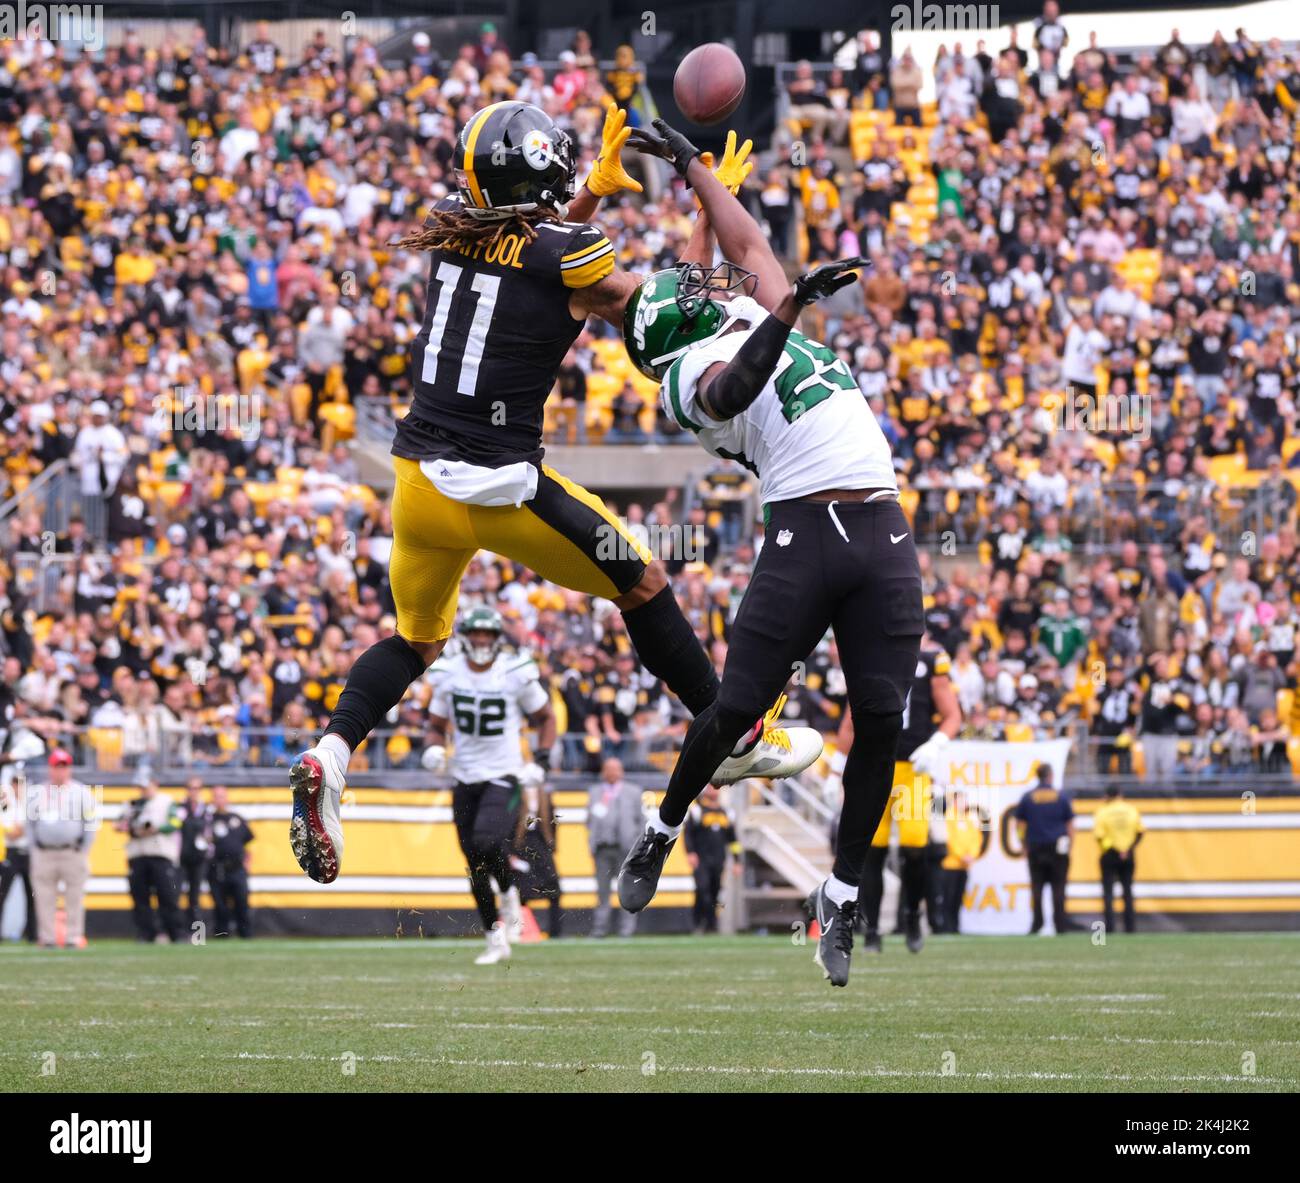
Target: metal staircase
{"type": "Point", "coordinates": [786, 825]}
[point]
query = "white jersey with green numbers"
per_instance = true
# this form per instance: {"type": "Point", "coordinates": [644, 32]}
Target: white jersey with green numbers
{"type": "Point", "coordinates": [810, 429]}
{"type": "Point", "coordinates": [486, 710]}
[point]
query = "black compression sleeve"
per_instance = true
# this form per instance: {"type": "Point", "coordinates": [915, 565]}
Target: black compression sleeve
{"type": "Point", "coordinates": [744, 375]}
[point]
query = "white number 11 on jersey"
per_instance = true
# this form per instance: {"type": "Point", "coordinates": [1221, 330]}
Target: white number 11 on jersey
{"type": "Point", "coordinates": [475, 341]}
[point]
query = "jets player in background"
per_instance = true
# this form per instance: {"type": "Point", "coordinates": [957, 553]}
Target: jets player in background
{"type": "Point", "coordinates": [931, 717]}
{"type": "Point", "coordinates": [482, 697]}
{"type": "Point", "coordinates": [515, 271]}
{"type": "Point", "coordinates": [839, 552]}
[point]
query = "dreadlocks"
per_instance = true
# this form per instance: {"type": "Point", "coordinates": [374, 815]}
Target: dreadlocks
{"type": "Point", "coordinates": [459, 230]}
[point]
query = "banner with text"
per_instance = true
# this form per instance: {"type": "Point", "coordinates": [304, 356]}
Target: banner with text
{"type": "Point", "coordinates": [994, 776]}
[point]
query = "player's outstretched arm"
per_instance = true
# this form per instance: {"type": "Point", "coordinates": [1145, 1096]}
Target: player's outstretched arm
{"type": "Point", "coordinates": [727, 389]}
{"type": "Point", "coordinates": [701, 245]}
{"type": "Point", "coordinates": [606, 298]}
{"type": "Point", "coordinates": [607, 175]}
{"type": "Point", "coordinates": [731, 172]}
{"type": "Point", "coordinates": [741, 238]}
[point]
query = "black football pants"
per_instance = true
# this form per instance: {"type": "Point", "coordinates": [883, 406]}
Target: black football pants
{"type": "Point", "coordinates": [484, 813]}
{"type": "Point", "coordinates": [850, 566]}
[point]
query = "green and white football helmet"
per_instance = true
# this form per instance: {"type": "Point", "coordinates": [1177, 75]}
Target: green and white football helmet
{"type": "Point", "coordinates": [482, 620]}
{"type": "Point", "coordinates": [675, 309]}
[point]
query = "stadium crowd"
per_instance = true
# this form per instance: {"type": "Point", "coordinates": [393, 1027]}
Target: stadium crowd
{"type": "Point", "coordinates": [1078, 333]}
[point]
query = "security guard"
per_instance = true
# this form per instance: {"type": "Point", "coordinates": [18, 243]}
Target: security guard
{"type": "Point", "coordinates": [228, 873]}
{"type": "Point", "coordinates": [965, 845]}
{"type": "Point", "coordinates": [1045, 823]}
{"type": "Point", "coordinates": [1117, 826]}
{"type": "Point", "coordinates": [196, 845]}
{"type": "Point", "coordinates": [709, 835]}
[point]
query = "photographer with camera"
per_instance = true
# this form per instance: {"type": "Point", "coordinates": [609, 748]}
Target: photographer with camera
{"type": "Point", "coordinates": [152, 853]}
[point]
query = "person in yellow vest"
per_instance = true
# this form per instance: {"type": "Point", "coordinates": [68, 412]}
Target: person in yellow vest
{"type": "Point", "coordinates": [965, 844]}
{"type": "Point", "coordinates": [1117, 826]}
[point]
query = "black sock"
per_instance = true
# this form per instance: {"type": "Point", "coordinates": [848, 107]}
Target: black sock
{"type": "Point", "coordinates": [480, 886]}
{"type": "Point", "coordinates": [708, 742]}
{"type": "Point", "coordinates": [669, 649]}
{"type": "Point", "coordinates": [375, 685]}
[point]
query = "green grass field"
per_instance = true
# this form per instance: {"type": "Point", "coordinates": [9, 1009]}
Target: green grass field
{"type": "Point", "coordinates": [1150, 1013]}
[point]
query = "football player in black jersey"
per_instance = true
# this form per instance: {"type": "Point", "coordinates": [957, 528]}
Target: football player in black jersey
{"type": "Point", "coordinates": [511, 285]}
{"type": "Point", "coordinates": [931, 718]}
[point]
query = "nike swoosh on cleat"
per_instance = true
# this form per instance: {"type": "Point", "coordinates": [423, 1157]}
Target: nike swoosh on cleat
{"type": "Point", "coordinates": [899, 539]}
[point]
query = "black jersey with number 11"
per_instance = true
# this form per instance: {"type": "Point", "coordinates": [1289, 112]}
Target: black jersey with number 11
{"type": "Point", "coordinates": [496, 328]}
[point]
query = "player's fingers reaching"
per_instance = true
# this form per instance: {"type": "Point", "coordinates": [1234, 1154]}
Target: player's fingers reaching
{"type": "Point", "coordinates": [650, 143]}
{"type": "Point", "coordinates": [615, 118]}
{"type": "Point", "coordinates": [607, 174]}
{"type": "Point", "coordinates": [827, 279]}
{"type": "Point", "coordinates": [733, 170]}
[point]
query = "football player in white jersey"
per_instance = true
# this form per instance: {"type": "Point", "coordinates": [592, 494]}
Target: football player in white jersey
{"type": "Point", "coordinates": [839, 551]}
{"type": "Point", "coordinates": [482, 697]}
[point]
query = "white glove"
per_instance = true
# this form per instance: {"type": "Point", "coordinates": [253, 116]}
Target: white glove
{"type": "Point", "coordinates": [532, 776]}
{"type": "Point", "coordinates": [929, 756]}
{"type": "Point", "coordinates": [434, 759]}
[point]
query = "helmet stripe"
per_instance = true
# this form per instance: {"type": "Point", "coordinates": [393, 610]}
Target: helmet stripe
{"type": "Point", "coordinates": [476, 125]}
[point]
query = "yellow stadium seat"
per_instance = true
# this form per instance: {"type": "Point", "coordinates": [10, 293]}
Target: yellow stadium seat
{"type": "Point", "coordinates": [1227, 470]}
{"type": "Point", "coordinates": [342, 417]}
{"type": "Point", "coordinates": [107, 745]}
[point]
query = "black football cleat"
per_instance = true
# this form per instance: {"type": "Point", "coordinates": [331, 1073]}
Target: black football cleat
{"type": "Point", "coordinates": [915, 938]}
{"type": "Point", "coordinates": [638, 878]}
{"type": "Point", "coordinates": [835, 944]}
{"type": "Point", "coordinates": [873, 942]}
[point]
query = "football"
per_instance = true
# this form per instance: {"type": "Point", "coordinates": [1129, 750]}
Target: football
{"type": "Point", "coordinates": [709, 83]}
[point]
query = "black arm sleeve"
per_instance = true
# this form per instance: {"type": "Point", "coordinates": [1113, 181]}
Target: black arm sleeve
{"type": "Point", "coordinates": [741, 379]}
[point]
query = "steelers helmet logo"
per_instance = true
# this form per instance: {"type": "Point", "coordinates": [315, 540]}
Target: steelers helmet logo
{"type": "Point", "coordinates": [538, 149]}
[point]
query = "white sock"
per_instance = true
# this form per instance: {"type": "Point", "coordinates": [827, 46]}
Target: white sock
{"type": "Point", "coordinates": [839, 892]}
{"type": "Point", "coordinates": [337, 748]}
{"type": "Point", "coordinates": [659, 826]}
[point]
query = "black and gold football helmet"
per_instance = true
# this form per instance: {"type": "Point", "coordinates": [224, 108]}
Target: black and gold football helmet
{"type": "Point", "coordinates": [513, 157]}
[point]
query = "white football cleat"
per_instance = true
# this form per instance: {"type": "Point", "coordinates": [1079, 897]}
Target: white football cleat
{"type": "Point", "coordinates": [498, 946]}
{"type": "Point", "coordinates": [316, 832]}
{"type": "Point", "coordinates": [778, 751]}
{"type": "Point", "coordinates": [512, 914]}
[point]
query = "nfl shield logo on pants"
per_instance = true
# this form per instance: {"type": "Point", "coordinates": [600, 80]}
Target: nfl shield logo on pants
{"type": "Point", "coordinates": [784, 538]}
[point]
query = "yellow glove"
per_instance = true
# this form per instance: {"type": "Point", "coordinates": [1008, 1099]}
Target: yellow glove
{"type": "Point", "coordinates": [607, 175]}
{"type": "Point", "coordinates": [735, 166]}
